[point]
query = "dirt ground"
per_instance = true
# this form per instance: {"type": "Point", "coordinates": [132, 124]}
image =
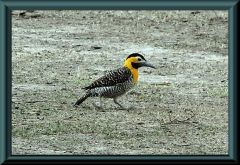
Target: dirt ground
{"type": "Point", "coordinates": [180, 108]}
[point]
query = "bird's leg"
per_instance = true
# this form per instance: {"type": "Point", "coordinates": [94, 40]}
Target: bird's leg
{"type": "Point", "coordinates": [127, 94]}
{"type": "Point", "coordinates": [116, 102]}
{"type": "Point", "coordinates": [131, 107]}
{"type": "Point", "coordinates": [98, 106]}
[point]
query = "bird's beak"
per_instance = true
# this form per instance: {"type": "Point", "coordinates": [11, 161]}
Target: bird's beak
{"type": "Point", "coordinates": [147, 64]}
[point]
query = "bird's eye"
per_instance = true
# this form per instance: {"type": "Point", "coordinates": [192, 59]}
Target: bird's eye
{"type": "Point", "coordinates": [139, 59]}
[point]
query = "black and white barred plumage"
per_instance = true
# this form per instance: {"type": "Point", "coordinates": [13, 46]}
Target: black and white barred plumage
{"type": "Point", "coordinates": [115, 83]}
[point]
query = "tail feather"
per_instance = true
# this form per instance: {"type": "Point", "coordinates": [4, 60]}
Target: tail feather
{"type": "Point", "coordinates": [82, 99]}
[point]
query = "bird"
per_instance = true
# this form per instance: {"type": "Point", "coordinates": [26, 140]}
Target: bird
{"type": "Point", "coordinates": [116, 82]}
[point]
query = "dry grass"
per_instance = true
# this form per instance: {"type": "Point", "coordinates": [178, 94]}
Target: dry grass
{"type": "Point", "coordinates": [182, 107]}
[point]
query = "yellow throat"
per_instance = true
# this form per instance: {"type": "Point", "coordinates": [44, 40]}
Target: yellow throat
{"type": "Point", "coordinates": [128, 64]}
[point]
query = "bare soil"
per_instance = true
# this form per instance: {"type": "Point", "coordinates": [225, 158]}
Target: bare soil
{"type": "Point", "coordinates": [180, 108]}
